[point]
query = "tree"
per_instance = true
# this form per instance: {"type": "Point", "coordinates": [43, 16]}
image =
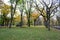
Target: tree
{"type": "Point", "coordinates": [28, 10]}
{"type": "Point", "coordinates": [21, 8]}
{"type": "Point", "coordinates": [4, 11]}
{"type": "Point", "coordinates": [50, 9]}
{"type": "Point", "coordinates": [58, 17]}
{"type": "Point", "coordinates": [1, 20]}
{"type": "Point", "coordinates": [35, 16]}
{"type": "Point", "coordinates": [24, 8]}
{"type": "Point", "coordinates": [13, 9]}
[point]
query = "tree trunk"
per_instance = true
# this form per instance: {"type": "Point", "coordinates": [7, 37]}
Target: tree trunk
{"type": "Point", "coordinates": [29, 21]}
{"type": "Point", "coordinates": [34, 22]}
{"type": "Point", "coordinates": [48, 18]}
{"type": "Point", "coordinates": [21, 19]}
{"type": "Point", "coordinates": [45, 22]}
{"type": "Point", "coordinates": [11, 16]}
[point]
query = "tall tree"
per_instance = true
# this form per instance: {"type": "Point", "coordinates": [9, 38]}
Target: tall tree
{"type": "Point", "coordinates": [4, 11]}
{"type": "Point", "coordinates": [21, 8]}
{"type": "Point", "coordinates": [25, 7]}
{"type": "Point", "coordinates": [50, 9]}
{"type": "Point", "coordinates": [13, 9]}
{"type": "Point", "coordinates": [28, 10]}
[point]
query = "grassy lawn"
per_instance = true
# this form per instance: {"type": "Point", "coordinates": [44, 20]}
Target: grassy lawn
{"type": "Point", "coordinates": [32, 33]}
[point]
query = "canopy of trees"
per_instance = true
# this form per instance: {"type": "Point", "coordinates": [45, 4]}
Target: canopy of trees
{"type": "Point", "coordinates": [27, 11]}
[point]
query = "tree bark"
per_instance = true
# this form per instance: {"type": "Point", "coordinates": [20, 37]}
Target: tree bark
{"type": "Point", "coordinates": [34, 22]}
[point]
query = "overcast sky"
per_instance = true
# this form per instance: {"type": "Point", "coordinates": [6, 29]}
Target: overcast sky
{"type": "Point", "coordinates": [6, 2]}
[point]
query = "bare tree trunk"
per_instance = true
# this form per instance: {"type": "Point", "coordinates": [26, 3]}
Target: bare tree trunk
{"type": "Point", "coordinates": [48, 18]}
{"type": "Point", "coordinates": [21, 23]}
{"type": "Point", "coordinates": [29, 19]}
{"type": "Point", "coordinates": [45, 22]}
{"type": "Point", "coordinates": [34, 22]}
{"type": "Point", "coordinates": [11, 16]}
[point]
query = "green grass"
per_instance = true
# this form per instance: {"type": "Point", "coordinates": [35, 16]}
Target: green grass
{"type": "Point", "coordinates": [32, 33]}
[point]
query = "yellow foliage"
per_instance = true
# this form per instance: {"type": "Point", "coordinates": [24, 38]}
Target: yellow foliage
{"type": "Point", "coordinates": [34, 15]}
{"type": "Point", "coordinates": [5, 9]}
{"type": "Point", "coordinates": [17, 18]}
